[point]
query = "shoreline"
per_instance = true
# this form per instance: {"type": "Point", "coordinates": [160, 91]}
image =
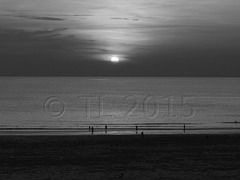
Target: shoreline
{"type": "Point", "coordinates": [113, 131]}
{"type": "Point", "coordinates": [121, 137]}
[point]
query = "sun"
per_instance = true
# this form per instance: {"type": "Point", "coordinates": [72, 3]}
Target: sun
{"type": "Point", "coordinates": [115, 59]}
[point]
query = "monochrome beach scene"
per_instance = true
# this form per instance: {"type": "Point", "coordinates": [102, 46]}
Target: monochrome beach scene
{"type": "Point", "coordinates": [119, 89]}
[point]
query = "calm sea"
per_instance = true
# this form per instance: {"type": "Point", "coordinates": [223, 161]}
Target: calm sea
{"type": "Point", "coordinates": [155, 105]}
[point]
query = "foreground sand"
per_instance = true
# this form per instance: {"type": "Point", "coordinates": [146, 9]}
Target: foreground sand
{"type": "Point", "coordinates": [120, 157]}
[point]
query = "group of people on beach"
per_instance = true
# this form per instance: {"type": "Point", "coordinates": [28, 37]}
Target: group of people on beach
{"type": "Point", "coordinates": [142, 134]}
{"type": "Point", "coordinates": [92, 130]}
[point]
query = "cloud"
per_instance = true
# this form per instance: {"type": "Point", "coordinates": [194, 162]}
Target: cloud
{"type": "Point", "coordinates": [41, 18]}
{"type": "Point", "coordinates": [126, 19]}
{"type": "Point", "coordinates": [120, 18]}
{"type": "Point", "coordinates": [83, 15]}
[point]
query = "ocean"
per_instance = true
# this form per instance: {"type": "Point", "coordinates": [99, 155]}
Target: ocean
{"type": "Point", "coordinates": [69, 105]}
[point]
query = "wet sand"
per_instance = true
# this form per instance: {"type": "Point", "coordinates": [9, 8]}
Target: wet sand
{"type": "Point", "coordinates": [120, 157]}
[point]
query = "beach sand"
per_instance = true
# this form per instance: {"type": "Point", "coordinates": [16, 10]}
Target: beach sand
{"type": "Point", "coordinates": [120, 157]}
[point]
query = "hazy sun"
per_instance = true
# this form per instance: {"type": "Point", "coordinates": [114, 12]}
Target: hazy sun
{"type": "Point", "coordinates": [114, 59]}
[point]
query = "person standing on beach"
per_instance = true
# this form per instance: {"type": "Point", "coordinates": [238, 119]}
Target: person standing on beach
{"type": "Point", "coordinates": [136, 129]}
{"type": "Point", "coordinates": [184, 128]}
{"type": "Point", "coordinates": [92, 130]}
{"type": "Point", "coordinates": [106, 129]}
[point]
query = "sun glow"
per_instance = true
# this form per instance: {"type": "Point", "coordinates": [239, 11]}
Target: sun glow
{"type": "Point", "coordinates": [114, 59]}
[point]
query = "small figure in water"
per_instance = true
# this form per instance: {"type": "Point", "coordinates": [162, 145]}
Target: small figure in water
{"type": "Point", "coordinates": [106, 129]}
{"type": "Point", "coordinates": [142, 135]}
{"type": "Point", "coordinates": [184, 128]}
{"type": "Point", "coordinates": [92, 130]}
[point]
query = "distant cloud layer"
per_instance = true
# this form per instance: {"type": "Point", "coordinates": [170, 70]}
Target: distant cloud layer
{"type": "Point", "coordinates": [150, 37]}
{"type": "Point", "coordinates": [41, 18]}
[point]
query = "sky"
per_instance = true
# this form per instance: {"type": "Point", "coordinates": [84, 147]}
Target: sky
{"type": "Point", "coordinates": [150, 37]}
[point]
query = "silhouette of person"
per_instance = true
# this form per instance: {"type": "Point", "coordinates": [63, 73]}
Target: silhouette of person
{"type": "Point", "coordinates": [106, 129]}
{"type": "Point", "coordinates": [184, 128]}
{"type": "Point", "coordinates": [92, 130]}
